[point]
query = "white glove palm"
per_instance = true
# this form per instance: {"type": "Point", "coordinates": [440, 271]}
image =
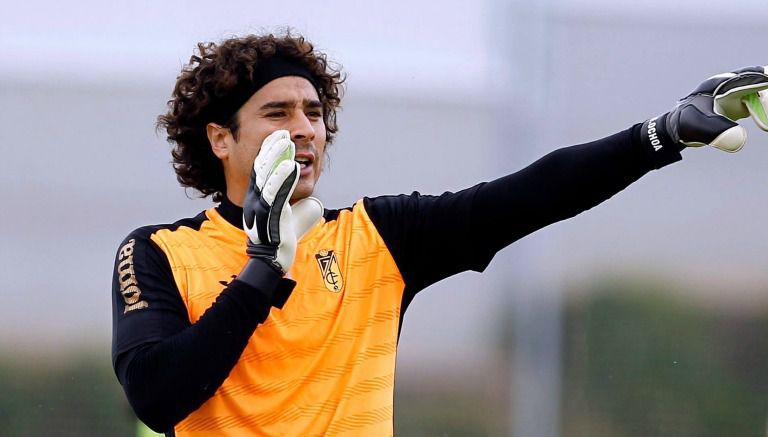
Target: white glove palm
{"type": "Point", "coordinates": [274, 226]}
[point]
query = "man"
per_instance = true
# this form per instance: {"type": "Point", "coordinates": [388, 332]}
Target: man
{"type": "Point", "coordinates": [268, 315]}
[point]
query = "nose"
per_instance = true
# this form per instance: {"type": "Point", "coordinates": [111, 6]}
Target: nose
{"type": "Point", "coordinates": [301, 128]}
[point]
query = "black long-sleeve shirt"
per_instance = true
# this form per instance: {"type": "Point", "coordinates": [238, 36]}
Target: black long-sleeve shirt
{"type": "Point", "coordinates": [172, 371]}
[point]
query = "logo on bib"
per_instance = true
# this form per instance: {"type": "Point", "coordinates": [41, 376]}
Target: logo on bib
{"type": "Point", "coordinates": [329, 269]}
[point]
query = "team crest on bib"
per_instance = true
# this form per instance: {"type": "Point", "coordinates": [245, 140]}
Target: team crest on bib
{"type": "Point", "coordinates": [329, 269]}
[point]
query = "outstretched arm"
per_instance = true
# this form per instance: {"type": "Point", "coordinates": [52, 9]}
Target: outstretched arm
{"type": "Point", "coordinates": [433, 237]}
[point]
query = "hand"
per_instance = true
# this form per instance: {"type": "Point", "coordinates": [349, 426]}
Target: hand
{"type": "Point", "coordinates": [273, 226]}
{"type": "Point", "coordinates": [708, 114]}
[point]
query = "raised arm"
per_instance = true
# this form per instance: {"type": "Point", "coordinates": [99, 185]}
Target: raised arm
{"type": "Point", "coordinates": [433, 237]}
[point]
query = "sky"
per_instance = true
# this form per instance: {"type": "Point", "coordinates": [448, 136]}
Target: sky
{"type": "Point", "coordinates": [148, 41]}
{"type": "Point", "coordinates": [142, 41]}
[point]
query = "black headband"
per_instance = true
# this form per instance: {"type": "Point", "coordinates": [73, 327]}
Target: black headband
{"type": "Point", "coordinates": [266, 71]}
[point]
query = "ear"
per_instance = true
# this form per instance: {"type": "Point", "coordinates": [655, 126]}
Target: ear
{"type": "Point", "coordinates": [219, 137]}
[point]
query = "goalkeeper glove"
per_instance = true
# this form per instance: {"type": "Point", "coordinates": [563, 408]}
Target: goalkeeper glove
{"type": "Point", "coordinates": [273, 226]}
{"type": "Point", "coordinates": [707, 115]}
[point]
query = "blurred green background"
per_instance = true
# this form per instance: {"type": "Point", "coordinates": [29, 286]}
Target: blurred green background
{"type": "Point", "coordinates": [639, 362]}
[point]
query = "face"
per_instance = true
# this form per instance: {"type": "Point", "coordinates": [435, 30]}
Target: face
{"type": "Point", "coordinates": [289, 103]}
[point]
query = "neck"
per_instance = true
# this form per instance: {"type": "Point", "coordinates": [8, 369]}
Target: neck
{"type": "Point", "coordinates": [231, 212]}
{"type": "Point", "coordinates": [236, 197]}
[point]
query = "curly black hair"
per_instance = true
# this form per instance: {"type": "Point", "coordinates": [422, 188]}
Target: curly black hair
{"type": "Point", "coordinates": [206, 84]}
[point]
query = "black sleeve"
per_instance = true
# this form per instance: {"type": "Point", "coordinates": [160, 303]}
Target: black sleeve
{"type": "Point", "coordinates": [433, 237]}
{"type": "Point", "coordinates": [167, 366]}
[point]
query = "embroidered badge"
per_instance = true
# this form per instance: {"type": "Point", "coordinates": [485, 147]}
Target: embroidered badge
{"type": "Point", "coordinates": [329, 269]}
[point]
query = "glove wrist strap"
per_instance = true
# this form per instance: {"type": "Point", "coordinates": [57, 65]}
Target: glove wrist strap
{"type": "Point", "coordinates": [657, 144]}
{"type": "Point", "coordinates": [260, 274]}
{"type": "Point", "coordinates": [266, 253]}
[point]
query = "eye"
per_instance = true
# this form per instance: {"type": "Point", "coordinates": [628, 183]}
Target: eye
{"type": "Point", "coordinates": [315, 114]}
{"type": "Point", "coordinates": [275, 114]}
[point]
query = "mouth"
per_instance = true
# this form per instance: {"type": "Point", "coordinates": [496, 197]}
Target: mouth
{"type": "Point", "coordinates": [305, 160]}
